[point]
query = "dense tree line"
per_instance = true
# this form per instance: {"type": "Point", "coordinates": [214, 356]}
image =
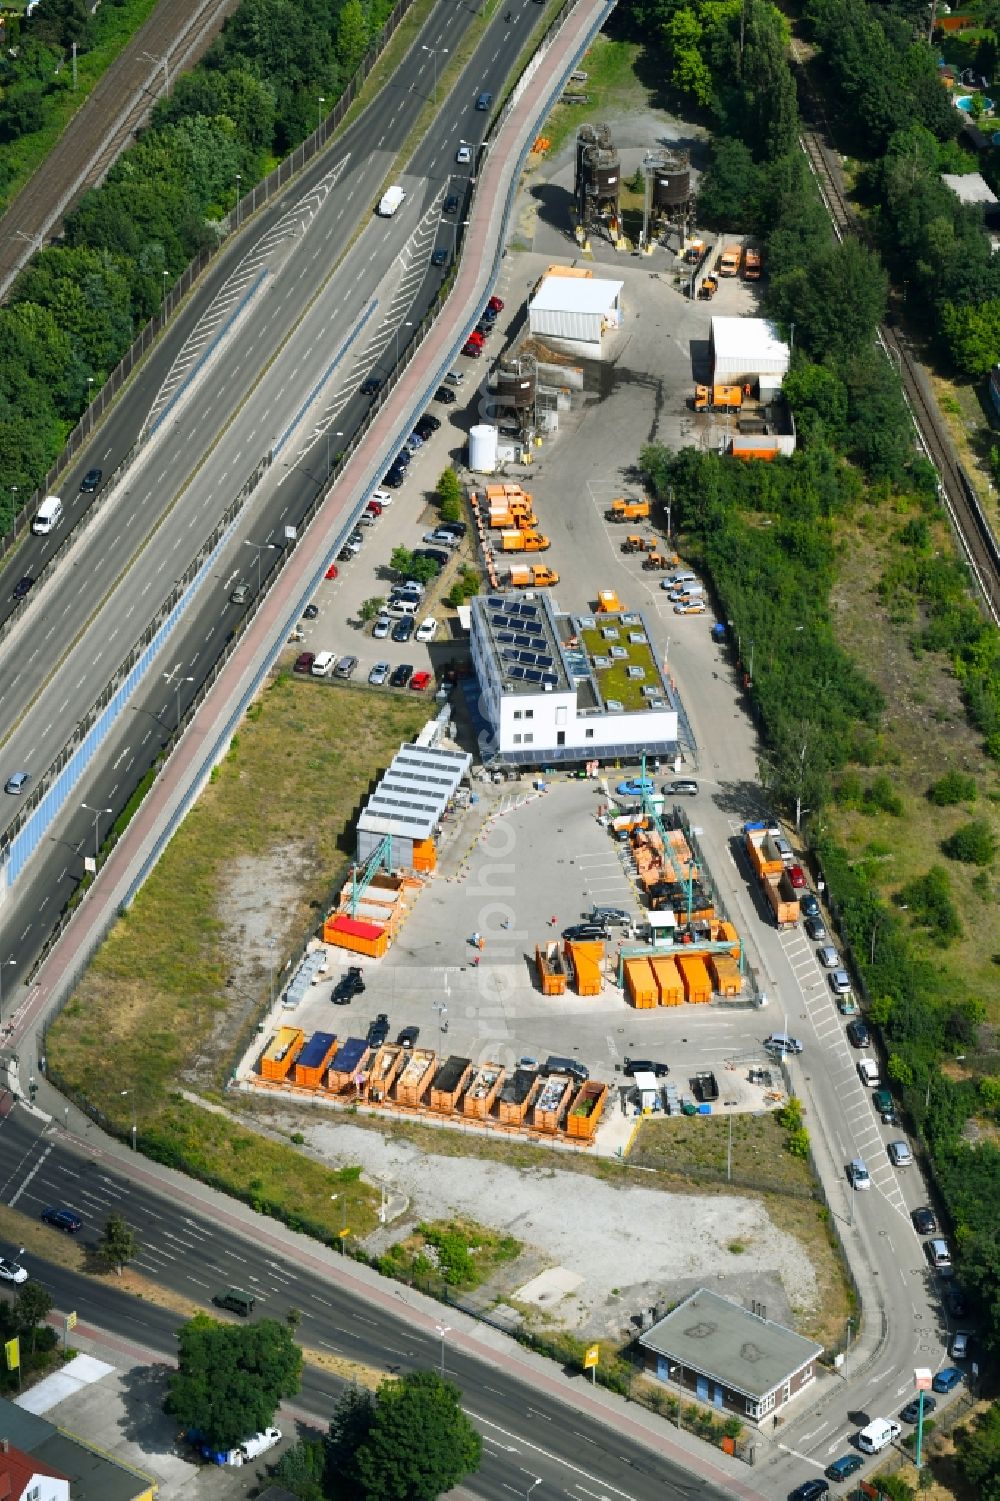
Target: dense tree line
{"type": "Point", "coordinates": [75, 310]}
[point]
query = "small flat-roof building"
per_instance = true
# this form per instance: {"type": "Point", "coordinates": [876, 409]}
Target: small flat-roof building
{"type": "Point", "coordinates": [749, 350]}
{"type": "Point", "coordinates": [576, 313]}
{"type": "Point", "coordinates": [568, 688]}
{"type": "Point", "coordinates": [62, 1465]}
{"type": "Point", "coordinates": [973, 189]}
{"type": "Point", "coordinates": [410, 799]}
{"type": "Point", "coordinates": [728, 1356]}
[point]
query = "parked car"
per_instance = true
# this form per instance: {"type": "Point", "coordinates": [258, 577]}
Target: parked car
{"type": "Point", "coordinates": [472, 351]}
{"type": "Point", "coordinates": [938, 1253]}
{"type": "Point", "coordinates": [435, 554]}
{"type": "Point", "coordinates": [407, 1037]}
{"type": "Point", "coordinates": [844, 1468]}
{"type": "Point", "coordinates": [371, 386]}
{"type": "Point", "coordinates": [783, 1042]}
{"type": "Point", "coordinates": [420, 681]}
{"type": "Point", "coordinates": [427, 629]}
{"type": "Point", "coordinates": [900, 1154]}
{"type": "Point", "coordinates": [495, 304]}
{"type": "Point", "coordinates": [431, 421]}
{"type": "Point", "coordinates": [911, 1411]}
{"type": "Point", "coordinates": [394, 478]}
{"type": "Point", "coordinates": [403, 629]}
{"type": "Point", "coordinates": [61, 1218]}
{"type": "Point", "coordinates": [815, 929]}
{"type": "Point", "coordinates": [16, 784]}
{"type": "Point", "coordinates": [840, 982]}
{"type": "Point", "coordinates": [384, 498]}
{"type": "Point", "coordinates": [960, 1344]}
{"type": "Point", "coordinates": [440, 256]}
{"type": "Point", "coordinates": [332, 572]}
{"type": "Point", "coordinates": [946, 1380]}
{"type": "Point", "coordinates": [581, 932]}
{"type": "Point", "coordinates": [682, 787]}
{"type": "Point", "coordinates": [378, 1030]}
{"type": "Point", "coordinates": [91, 481]}
{"type": "Point", "coordinates": [635, 787]}
{"type": "Point", "coordinates": [381, 628]}
{"type": "Point", "coordinates": [690, 607]}
{"type": "Point", "coordinates": [924, 1220]}
{"type": "Point", "coordinates": [12, 1271]}
{"type": "Point", "coordinates": [346, 667]}
{"type": "Point", "coordinates": [858, 1175]}
{"type": "Point", "coordinates": [609, 917]}
{"type": "Point", "coordinates": [401, 675]}
{"type": "Point", "coordinates": [810, 1490]}
{"type": "Point", "coordinates": [440, 538]}
{"type": "Point", "coordinates": [809, 905]}
{"type": "Point", "coordinates": [797, 876]}
{"type": "Point", "coordinates": [450, 204]}
{"type": "Point", "coordinates": [633, 1066]}
{"type": "Point", "coordinates": [349, 985]}
{"type": "Point", "coordinates": [445, 395]}
{"type": "Point", "coordinates": [310, 612]}
{"type": "Point", "coordinates": [456, 528]}
{"type": "Point", "coordinates": [828, 956]}
{"type": "Point", "coordinates": [414, 441]}
{"type": "Point", "coordinates": [379, 674]}
{"type": "Point", "coordinates": [858, 1034]}
{"type": "Point", "coordinates": [304, 661]}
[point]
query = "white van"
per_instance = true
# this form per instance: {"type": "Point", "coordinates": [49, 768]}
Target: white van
{"type": "Point", "coordinates": [676, 580]}
{"type": "Point", "coordinates": [48, 516]}
{"type": "Point", "coordinates": [878, 1434]}
{"type": "Point", "coordinates": [397, 608]}
{"type": "Point", "coordinates": [868, 1072]}
{"type": "Point", "coordinates": [323, 664]}
{"type": "Point", "coordinates": [259, 1443]}
{"type": "Point", "coordinates": [390, 201]}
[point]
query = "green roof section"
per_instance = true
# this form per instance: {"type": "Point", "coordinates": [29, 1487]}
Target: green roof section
{"type": "Point", "coordinates": [614, 682]}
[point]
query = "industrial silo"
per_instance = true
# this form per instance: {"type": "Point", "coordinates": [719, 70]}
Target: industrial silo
{"type": "Point", "coordinates": [483, 440]}
{"type": "Point", "coordinates": [598, 176]}
{"type": "Point", "coordinates": [517, 383]}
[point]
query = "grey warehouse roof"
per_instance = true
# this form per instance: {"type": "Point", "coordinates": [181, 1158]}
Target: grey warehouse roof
{"type": "Point", "coordinates": [412, 795]}
{"type": "Point", "coordinates": [717, 1338]}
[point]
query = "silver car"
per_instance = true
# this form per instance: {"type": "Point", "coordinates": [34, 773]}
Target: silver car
{"type": "Point", "coordinates": [900, 1154]}
{"type": "Point", "coordinates": [828, 956]}
{"type": "Point", "coordinates": [840, 982]}
{"type": "Point", "coordinates": [345, 667]}
{"type": "Point", "coordinates": [381, 628]}
{"type": "Point", "coordinates": [379, 674]}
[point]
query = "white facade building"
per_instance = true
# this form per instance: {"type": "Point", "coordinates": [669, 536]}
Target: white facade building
{"type": "Point", "coordinates": [561, 688]}
{"type": "Point", "coordinates": [576, 312]}
{"type": "Point", "coordinates": [749, 349]}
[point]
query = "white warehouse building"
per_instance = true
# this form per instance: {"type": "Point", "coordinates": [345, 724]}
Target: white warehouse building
{"type": "Point", "coordinates": [557, 688]}
{"type": "Point", "coordinates": [576, 312]}
{"type": "Point", "coordinates": [749, 350]}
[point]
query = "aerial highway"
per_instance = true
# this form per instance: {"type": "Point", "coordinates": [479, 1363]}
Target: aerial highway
{"type": "Point", "coordinates": [267, 358]}
{"type": "Point", "coordinates": [529, 1428]}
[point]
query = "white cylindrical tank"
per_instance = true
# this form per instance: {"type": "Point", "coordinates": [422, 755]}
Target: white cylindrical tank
{"type": "Point", "coordinates": [483, 448]}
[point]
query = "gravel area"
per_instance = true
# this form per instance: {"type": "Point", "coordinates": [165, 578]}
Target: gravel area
{"type": "Point", "coordinates": [620, 1243]}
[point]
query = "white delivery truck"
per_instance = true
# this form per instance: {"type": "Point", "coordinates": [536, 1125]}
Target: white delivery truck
{"type": "Point", "coordinates": [390, 201]}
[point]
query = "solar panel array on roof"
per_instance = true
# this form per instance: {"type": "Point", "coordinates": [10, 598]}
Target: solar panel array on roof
{"type": "Point", "coordinates": [532, 675]}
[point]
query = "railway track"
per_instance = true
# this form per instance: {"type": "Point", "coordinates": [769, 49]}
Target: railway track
{"type": "Point", "coordinates": [957, 493]}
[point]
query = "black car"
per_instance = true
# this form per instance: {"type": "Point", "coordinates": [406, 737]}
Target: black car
{"type": "Point", "coordinates": [310, 612]}
{"type": "Point", "coordinates": [378, 1031]}
{"type": "Point", "coordinates": [348, 986]}
{"type": "Point", "coordinates": [62, 1218]}
{"type": "Point", "coordinates": [488, 315]}
{"type": "Point", "coordinates": [429, 420]}
{"type": "Point", "coordinates": [911, 1411]}
{"type": "Point", "coordinates": [440, 257]}
{"type": "Point", "coordinates": [581, 932]}
{"type": "Point", "coordinates": [633, 1066]}
{"type": "Point", "coordinates": [372, 386]}
{"type": "Point", "coordinates": [407, 1037]}
{"type": "Point", "coordinates": [858, 1034]}
{"type": "Point", "coordinates": [955, 1299]}
{"type": "Point", "coordinates": [394, 478]}
{"type": "Point", "coordinates": [434, 554]}
{"type": "Point", "coordinates": [402, 459]}
{"type": "Point", "coordinates": [23, 587]}
{"type": "Point", "coordinates": [456, 528]}
{"type": "Point", "coordinates": [401, 675]}
{"type": "Point", "coordinates": [810, 1490]}
{"type": "Point", "coordinates": [422, 431]}
{"type": "Point", "coordinates": [924, 1220]}
{"type": "Point", "coordinates": [403, 629]}
{"type": "Point", "coordinates": [808, 905]}
{"type": "Point", "coordinates": [450, 204]}
{"type": "Point", "coordinates": [91, 480]}
{"type": "Point", "coordinates": [445, 395]}
{"type": "Point", "coordinates": [816, 929]}
{"type": "Point", "coordinates": [484, 101]}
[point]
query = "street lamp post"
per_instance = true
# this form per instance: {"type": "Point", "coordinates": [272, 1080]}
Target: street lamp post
{"type": "Point", "coordinates": [176, 683]}
{"type": "Point", "coordinates": [260, 547]}
{"type": "Point", "coordinates": [135, 1128]}
{"type": "Point", "coordinates": [319, 111]}
{"type": "Point", "coordinates": [97, 818]}
{"type": "Point", "coordinates": [531, 1487]}
{"type": "Point", "coordinates": [442, 1329]}
{"type": "Point", "coordinates": [238, 181]}
{"type": "Point", "coordinates": [90, 407]}
{"type": "Point", "coordinates": [434, 53]}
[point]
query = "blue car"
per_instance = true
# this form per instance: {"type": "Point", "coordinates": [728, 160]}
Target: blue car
{"type": "Point", "coordinates": [843, 1468]}
{"type": "Point", "coordinates": [635, 787]}
{"type": "Point", "coordinates": [947, 1380]}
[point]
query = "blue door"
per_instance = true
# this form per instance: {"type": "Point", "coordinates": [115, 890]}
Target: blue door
{"type": "Point", "coordinates": [702, 1388]}
{"type": "Point", "coordinates": [717, 1396]}
{"type": "Point", "coordinates": [662, 1368]}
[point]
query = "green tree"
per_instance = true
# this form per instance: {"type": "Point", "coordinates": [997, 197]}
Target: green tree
{"type": "Point", "coordinates": [979, 1453]}
{"type": "Point", "coordinates": [953, 787]}
{"type": "Point", "coordinates": [973, 336]}
{"type": "Point", "coordinates": [371, 607]}
{"type": "Point", "coordinates": [301, 1469]}
{"type": "Point", "coordinates": [401, 560]}
{"type": "Point", "coordinates": [229, 1381]}
{"type": "Point", "coordinates": [930, 903]}
{"type": "Point", "coordinates": [118, 1245]}
{"type": "Point", "coordinates": [34, 1304]}
{"type": "Point", "coordinates": [974, 843]}
{"type": "Point", "coordinates": [352, 36]}
{"type": "Point", "coordinates": [423, 570]}
{"type": "Point", "coordinates": [419, 1444]}
{"type": "Point", "coordinates": [728, 185]}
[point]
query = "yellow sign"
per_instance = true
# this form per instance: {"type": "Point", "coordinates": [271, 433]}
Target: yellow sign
{"type": "Point", "coordinates": [71, 1321]}
{"type": "Point", "coordinates": [343, 1233]}
{"type": "Point", "coordinates": [12, 1349]}
{"type": "Point", "coordinates": [592, 1357]}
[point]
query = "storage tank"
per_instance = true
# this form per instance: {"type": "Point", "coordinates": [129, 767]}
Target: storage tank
{"type": "Point", "coordinates": [598, 174]}
{"type": "Point", "coordinates": [671, 183]}
{"type": "Point", "coordinates": [483, 441]}
{"type": "Point", "coordinates": [516, 383]}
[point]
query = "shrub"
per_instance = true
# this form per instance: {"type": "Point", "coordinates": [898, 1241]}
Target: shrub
{"type": "Point", "coordinates": [882, 796]}
{"type": "Point", "coordinates": [953, 787]}
{"type": "Point", "coordinates": [928, 898]}
{"type": "Point", "coordinates": [974, 843]}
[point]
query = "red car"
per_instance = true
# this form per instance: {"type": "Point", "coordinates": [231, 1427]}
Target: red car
{"type": "Point", "coordinates": [474, 351]}
{"type": "Point", "coordinates": [332, 571]}
{"type": "Point", "coordinates": [797, 876]}
{"type": "Point", "coordinates": [496, 303]}
{"type": "Point", "coordinates": [420, 681]}
{"type": "Point", "coordinates": [476, 337]}
{"type": "Point", "coordinates": [304, 661]}
{"type": "Point", "coordinates": [374, 508]}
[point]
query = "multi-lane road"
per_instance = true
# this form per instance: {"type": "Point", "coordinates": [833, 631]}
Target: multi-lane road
{"type": "Point", "coordinates": [196, 1250]}
{"type": "Point", "coordinates": [267, 357]}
